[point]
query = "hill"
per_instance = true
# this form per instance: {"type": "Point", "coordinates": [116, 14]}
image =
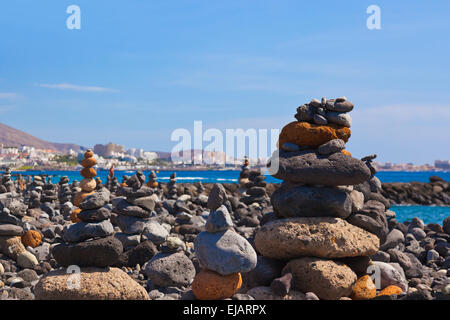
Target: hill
{"type": "Point", "coordinates": [11, 137]}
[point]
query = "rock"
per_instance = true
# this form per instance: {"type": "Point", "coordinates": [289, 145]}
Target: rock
{"type": "Point", "coordinates": [305, 201]}
{"type": "Point", "coordinates": [390, 290]}
{"type": "Point", "coordinates": [2, 269]}
{"type": "Point", "coordinates": [266, 293]}
{"type": "Point", "coordinates": [27, 260]}
{"type": "Point", "coordinates": [82, 231]}
{"type": "Point", "coordinates": [128, 240]}
{"type": "Point", "coordinates": [88, 184]}
{"type": "Point", "coordinates": [357, 200]}
{"type": "Point", "coordinates": [311, 296]}
{"type": "Point", "coordinates": [320, 120]}
{"type": "Point", "coordinates": [94, 215]}
{"type": "Point", "coordinates": [219, 220]}
{"type": "Point", "coordinates": [209, 285]}
{"type": "Point", "coordinates": [155, 232]}
{"type": "Point", "coordinates": [332, 146]}
{"type": "Point", "coordinates": [305, 113]}
{"type": "Point", "coordinates": [140, 254]}
{"type": "Point", "coordinates": [102, 252]}
{"type": "Point", "coordinates": [94, 284]}
{"type": "Point", "coordinates": [147, 203]}
{"type": "Point", "coordinates": [388, 275]}
{"type": "Point", "coordinates": [364, 289]}
{"type": "Point", "coordinates": [312, 135]}
{"type": "Point", "coordinates": [393, 239]}
{"type": "Point", "coordinates": [166, 270]}
{"type": "Point", "coordinates": [94, 201]}
{"type": "Point", "coordinates": [381, 256]}
{"type": "Point", "coordinates": [375, 223]}
{"type": "Point", "coordinates": [339, 118]}
{"type": "Point", "coordinates": [125, 208]}
{"type": "Point", "coordinates": [375, 184]}
{"type": "Point", "coordinates": [418, 233]}
{"type": "Point", "coordinates": [265, 271]}
{"type": "Point", "coordinates": [217, 196]}
{"type": "Point", "coordinates": [281, 286]}
{"type": "Point", "coordinates": [446, 225]}
{"type": "Point", "coordinates": [290, 147]}
{"type": "Point", "coordinates": [339, 105]}
{"type": "Point", "coordinates": [225, 252]}
{"type": "Point", "coordinates": [327, 279]}
{"type": "Point", "coordinates": [129, 224]}
{"type": "Point", "coordinates": [11, 246]}
{"type": "Point", "coordinates": [308, 167]}
{"type": "Point", "coordinates": [320, 237]}
{"type": "Point", "coordinates": [10, 230]}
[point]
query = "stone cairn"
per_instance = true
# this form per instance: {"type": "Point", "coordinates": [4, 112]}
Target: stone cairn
{"type": "Point", "coordinates": [221, 252]}
{"type": "Point", "coordinates": [89, 244]}
{"type": "Point", "coordinates": [111, 181]}
{"type": "Point", "coordinates": [133, 213]}
{"type": "Point", "coordinates": [7, 184]}
{"type": "Point", "coordinates": [255, 188]}
{"type": "Point", "coordinates": [244, 174]}
{"type": "Point", "coordinates": [172, 187]}
{"type": "Point", "coordinates": [152, 182]}
{"type": "Point", "coordinates": [324, 227]}
{"type": "Point", "coordinates": [64, 192]}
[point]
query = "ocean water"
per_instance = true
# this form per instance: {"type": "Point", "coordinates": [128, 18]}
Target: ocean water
{"type": "Point", "coordinates": [429, 214]}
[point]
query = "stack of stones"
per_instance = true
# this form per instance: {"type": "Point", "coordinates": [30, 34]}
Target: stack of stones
{"type": "Point", "coordinates": [7, 184]}
{"type": "Point", "coordinates": [49, 194]}
{"type": "Point", "coordinates": [222, 253]}
{"type": "Point", "coordinates": [64, 192]}
{"type": "Point", "coordinates": [133, 213]}
{"type": "Point", "coordinates": [152, 183]}
{"type": "Point", "coordinates": [315, 204]}
{"type": "Point", "coordinates": [172, 187]}
{"type": "Point", "coordinates": [89, 244]}
{"type": "Point", "coordinates": [255, 188]}
{"type": "Point", "coordinates": [243, 176]}
{"type": "Point", "coordinates": [112, 184]}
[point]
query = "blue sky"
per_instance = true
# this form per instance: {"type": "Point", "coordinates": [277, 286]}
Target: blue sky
{"type": "Point", "coordinates": [139, 69]}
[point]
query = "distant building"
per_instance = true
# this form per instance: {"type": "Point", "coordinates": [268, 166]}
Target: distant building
{"type": "Point", "coordinates": [442, 164]}
{"type": "Point", "coordinates": [109, 150]}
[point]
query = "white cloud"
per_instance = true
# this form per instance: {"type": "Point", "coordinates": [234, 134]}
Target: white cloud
{"type": "Point", "coordinates": [74, 87]}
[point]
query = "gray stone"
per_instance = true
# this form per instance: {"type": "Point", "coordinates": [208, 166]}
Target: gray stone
{"type": "Point", "coordinates": [290, 147]}
{"type": "Point", "coordinates": [129, 224]}
{"type": "Point", "coordinates": [308, 167]}
{"type": "Point", "coordinates": [94, 215]}
{"type": "Point", "coordinates": [339, 105]}
{"type": "Point", "coordinates": [147, 203]}
{"type": "Point", "coordinates": [393, 239]}
{"type": "Point", "coordinates": [95, 253]}
{"type": "Point", "coordinates": [332, 146]}
{"type": "Point", "coordinates": [219, 220]}
{"type": "Point", "coordinates": [226, 252]}
{"type": "Point", "coordinates": [305, 113]}
{"type": "Point", "coordinates": [432, 255]}
{"type": "Point", "coordinates": [375, 184]}
{"type": "Point", "coordinates": [82, 231]}
{"type": "Point", "coordinates": [127, 240]}
{"type": "Point", "coordinates": [418, 233]}
{"type": "Point", "coordinates": [320, 120]}
{"type": "Point", "coordinates": [165, 270]}
{"type": "Point", "coordinates": [94, 201]}
{"type": "Point", "coordinates": [125, 208]}
{"type": "Point", "coordinates": [155, 232]}
{"type": "Point", "coordinates": [381, 256]}
{"type": "Point", "coordinates": [217, 196]}
{"type": "Point", "coordinates": [304, 201]}
{"type": "Point", "coordinates": [339, 118]}
{"type": "Point", "coordinates": [389, 275]}
{"type": "Point", "coordinates": [10, 230]}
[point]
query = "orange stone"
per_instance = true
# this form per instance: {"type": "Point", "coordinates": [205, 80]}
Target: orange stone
{"type": "Point", "coordinates": [32, 239]}
{"type": "Point", "coordinates": [312, 135]}
{"type": "Point", "coordinates": [390, 290]}
{"type": "Point", "coordinates": [88, 184]}
{"type": "Point", "coordinates": [74, 216]}
{"type": "Point", "coordinates": [209, 285]}
{"type": "Point", "coordinates": [88, 154]}
{"type": "Point", "coordinates": [80, 196]}
{"type": "Point", "coordinates": [88, 162]}
{"type": "Point", "coordinates": [88, 173]}
{"type": "Point", "coordinates": [124, 184]}
{"type": "Point", "coordinates": [152, 184]}
{"type": "Point", "coordinates": [346, 153]}
{"type": "Point", "coordinates": [364, 289]}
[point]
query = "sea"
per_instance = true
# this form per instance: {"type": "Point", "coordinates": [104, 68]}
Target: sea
{"type": "Point", "coordinates": [429, 214]}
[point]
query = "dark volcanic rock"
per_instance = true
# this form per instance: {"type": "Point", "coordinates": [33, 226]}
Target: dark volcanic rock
{"type": "Point", "coordinates": [309, 167]}
{"type": "Point", "coordinates": [96, 253]}
{"type": "Point", "coordinates": [140, 254]}
{"type": "Point", "coordinates": [303, 201]}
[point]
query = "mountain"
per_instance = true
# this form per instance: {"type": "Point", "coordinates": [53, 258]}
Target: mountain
{"type": "Point", "coordinates": [11, 137]}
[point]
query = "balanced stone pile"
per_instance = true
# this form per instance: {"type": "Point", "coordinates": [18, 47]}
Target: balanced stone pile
{"type": "Point", "coordinates": [316, 205]}
{"type": "Point", "coordinates": [133, 213]}
{"type": "Point", "coordinates": [244, 174]}
{"type": "Point", "coordinates": [255, 188]}
{"type": "Point", "coordinates": [152, 183]}
{"type": "Point", "coordinates": [64, 192]}
{"type": "Point", "coordinates": [172, 187]}
{"type": "Point", "coordinates": [221, 252]}
{"type": "Point", "coordinates": [7, 185]}
{"type": "Point", "coordinates": [89, 244]}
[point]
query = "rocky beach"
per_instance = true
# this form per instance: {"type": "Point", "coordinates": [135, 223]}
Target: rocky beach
{"type": "Point", "coordinates": [325, 233]}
